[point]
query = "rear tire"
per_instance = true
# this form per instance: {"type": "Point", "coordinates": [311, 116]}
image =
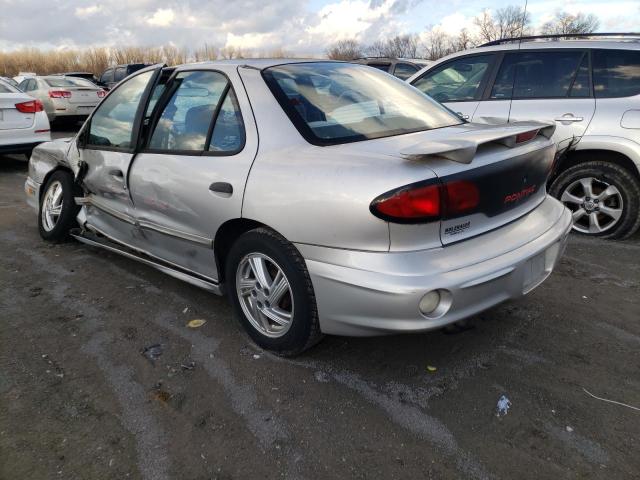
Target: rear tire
{"type": "Point", "coordinates": [57, 213]}
{"type": "Point", "coordinates": [276, 305]}
{"type": "Point", "coordinates": [604, 198]}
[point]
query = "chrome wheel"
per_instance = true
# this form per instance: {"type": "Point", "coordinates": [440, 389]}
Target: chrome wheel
{"type": "Point", "coordinates": [52, 206]}
{"type": "Point", "coordinates": [596, 205]}
{"type": "Point", "coordinates": [265, 294]}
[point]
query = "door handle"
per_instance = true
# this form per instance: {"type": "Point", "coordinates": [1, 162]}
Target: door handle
{"type": "Point", "coordinates": [568, 117]}
{"type": "Point", "coordinates": [224, 188]}
{"type": "Point", "coordinates": [116, 173]}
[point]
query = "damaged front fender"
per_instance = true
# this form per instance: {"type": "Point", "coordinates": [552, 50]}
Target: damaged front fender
{"type": "Point", "coordinates": [48, 156]}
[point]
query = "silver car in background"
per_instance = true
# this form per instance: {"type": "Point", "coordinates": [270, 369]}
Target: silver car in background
{"type": "Point", "coordinates": [64, 98]}
{"type": "Point", "coordinates": [322, 197]}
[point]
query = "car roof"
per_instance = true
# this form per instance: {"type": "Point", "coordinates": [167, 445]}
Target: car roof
{"type": "Point", "coordinates": [257, 63]}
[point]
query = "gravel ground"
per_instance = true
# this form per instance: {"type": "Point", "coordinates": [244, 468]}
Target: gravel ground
{"type": "Point", "coordinates": [80, 398]}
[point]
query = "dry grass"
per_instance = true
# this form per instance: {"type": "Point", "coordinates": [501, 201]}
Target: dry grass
{"type": "Point", "coordinates": [97, 59]}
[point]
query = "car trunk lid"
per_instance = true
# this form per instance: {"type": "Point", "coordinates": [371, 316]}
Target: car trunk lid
{"type": "Point", "coordinates": [490, 175]}
{"type": "Point", "coordinates": [83, 95]}
{"type": "Point", "coordinates": [10, 117]}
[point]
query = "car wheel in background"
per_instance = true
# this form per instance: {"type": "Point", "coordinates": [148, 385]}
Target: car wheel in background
{"type": "Point", "coordinates": [604, 198]}
{"type": "Point", "coordinates": [271, 292]}
{"type": "Point", "coordinates": [58, 210]}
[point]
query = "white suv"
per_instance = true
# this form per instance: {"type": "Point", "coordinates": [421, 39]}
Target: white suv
{"type": "Point", "coordinates": [589, 87]}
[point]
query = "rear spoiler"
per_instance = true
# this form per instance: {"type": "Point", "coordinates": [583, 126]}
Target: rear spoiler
{"type": "Point", "coordinates": [462, 147]}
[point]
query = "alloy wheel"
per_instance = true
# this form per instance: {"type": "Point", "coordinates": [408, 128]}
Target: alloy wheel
{"type": "Point", "coordinates": [265, 294]}
{"type": "Point", "coordinates": [52, 206]}
{"type": "Point", "coordinates": [596, 205]}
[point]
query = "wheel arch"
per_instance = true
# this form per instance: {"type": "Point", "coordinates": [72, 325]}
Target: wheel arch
{"type": "Point", "coordinates": [48, 175]}
{"type": "Point", "coordinates": [575, 157]}
{"type": "Point", "coordinates": [227, 234]}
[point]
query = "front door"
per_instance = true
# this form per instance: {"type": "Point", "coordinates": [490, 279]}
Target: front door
{"type": "Point", "coordinates": [107, 145]}
{"type": "Point", "coordinates": [551, 86]}
{"type": "Point", "coordinates": [189, 178]}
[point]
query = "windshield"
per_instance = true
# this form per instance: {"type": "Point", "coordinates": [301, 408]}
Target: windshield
{"type": "Point", "coordinates": [334, 103]}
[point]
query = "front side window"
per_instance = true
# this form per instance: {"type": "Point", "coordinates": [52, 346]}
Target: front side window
{"type": "Point", "coordinates": [404, 70]}
{"type": "Point", "coordinates": [616, 73]}
{"type": "Point", "coordinates": [113, 121]}
{"type": "Point", "coordinates": [334, 103]}
{"type": "Point", "coordinates": [536, 74]}
{"type": "Point", "coordinates": [186, 118]}
{"type": "Point", "coordinates": [456, 81]}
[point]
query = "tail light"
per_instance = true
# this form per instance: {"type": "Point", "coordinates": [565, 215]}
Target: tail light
{"type": "Point", "coordinates": [32, 106]}
{"type": "Point", "coordinates": [461, 196]}
{"type": "Point", "coordinates": [59, 94]}
{"type": "Point", "coordinates": [101, 93]}
{"type": "Point", "coordinates": [426, 201]}
{"type": "Point", "coordinates": [526, 136]}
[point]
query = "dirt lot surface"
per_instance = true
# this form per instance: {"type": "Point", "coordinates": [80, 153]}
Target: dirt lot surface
{"type": "Point", "coordinates": [80, 398]}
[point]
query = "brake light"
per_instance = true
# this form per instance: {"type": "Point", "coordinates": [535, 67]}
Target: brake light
{"type": "Point", "coordinates": [412, 204]}
{"type": "Point", "coordinates": [32, 106]}
{"type": "Point", "coordinates": [59, 94]}
{"type": "Point", "coordinates": [526, 136]}
{"type": "Point", "coordinates": [101, 93]}
{"type": "Point", "coordinates": [461, 196]}
{"type": "Point", "coordinates": [421, 203]}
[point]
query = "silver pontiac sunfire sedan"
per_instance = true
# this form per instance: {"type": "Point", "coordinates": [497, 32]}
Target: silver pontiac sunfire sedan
{"type": "Point", "coordinates": [322, 197]}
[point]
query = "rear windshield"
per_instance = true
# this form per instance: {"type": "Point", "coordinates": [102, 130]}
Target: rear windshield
{"type": "Point", "coordinates": [333, 103]}
{"type": "Point", "coordinates": [60, 82]}
{"type": "Point", "coordinates": [81, 82]}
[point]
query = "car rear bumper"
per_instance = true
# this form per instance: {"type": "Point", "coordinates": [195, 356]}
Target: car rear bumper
{"type": "Point", "coordinates": [368, 293]}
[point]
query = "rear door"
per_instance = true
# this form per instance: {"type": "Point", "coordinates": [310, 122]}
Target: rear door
{"type": "Point", "coordinates": [550, 86]}
{"type": "Point", "coordinates": [107, 145]}
{"type": "Point", "coordinates": [190, 177]}
{"type": "Point", "coordinates": [458, 83]}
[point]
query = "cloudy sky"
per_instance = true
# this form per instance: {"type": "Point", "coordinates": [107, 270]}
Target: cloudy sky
{"type": "Point", "coordinates": [303, 27]}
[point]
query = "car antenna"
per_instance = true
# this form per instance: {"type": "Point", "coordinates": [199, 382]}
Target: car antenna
{"type": "Point", "coordinates": [524, 19]}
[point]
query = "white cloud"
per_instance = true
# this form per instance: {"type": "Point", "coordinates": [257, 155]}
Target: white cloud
{"type": "Point", "coordinates": [163, 17]}
{"type": "Point", "coordinates": [85, 12]}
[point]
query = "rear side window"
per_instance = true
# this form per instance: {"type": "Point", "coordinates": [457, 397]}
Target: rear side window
{"type": "Point", "coordinates": [404, 70]}
{"type": "Point", "coordinates": [113, 121]}
{"type": "Point", "coordinates": [536, 74]}
{"type": "Point", "coordinates": [456, 81]}
{"type": "Point", "coordinates": [228, 132]}
{"type": "Point", "coordinates": [186, 119]}
{"type": "Point", "coordinates": [616, 73]}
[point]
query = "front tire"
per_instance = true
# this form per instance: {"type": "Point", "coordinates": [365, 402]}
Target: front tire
{"type": "Point", "coordinates": [57, 214]}
{"type": "Point", "coordinates": [270, 289]}
{"type": "Point", "coordinates": [604, 198]}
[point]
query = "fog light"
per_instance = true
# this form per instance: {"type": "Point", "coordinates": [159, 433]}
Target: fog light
{"type": "Point", "coordinates": [429, 302]}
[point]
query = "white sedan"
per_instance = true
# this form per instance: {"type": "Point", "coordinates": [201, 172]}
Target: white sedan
{"type": "Point", "coordinates": [23, 121]}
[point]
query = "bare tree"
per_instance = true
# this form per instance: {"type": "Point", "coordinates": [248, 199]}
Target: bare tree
{"type": "Point", "coordinates": [565, 22]}
{"type": "Point", "coordinates": [345, 50]}
{"type": "Point", "coordinates": [204, 53]}
{"type": "Point", "coordinates": [509, 22]}
{"type": "Point", "coordinates": [400, 46]}
{"type": "Point", "coordinates": [438, 44]}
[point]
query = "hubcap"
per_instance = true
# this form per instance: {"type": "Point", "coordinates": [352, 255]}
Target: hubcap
{"type": "Point", "coordinates": [265, 294]}
{"type": "Point", "coordinates": [52, 206]}
{"type": "Point", "coordinates": [596, 205]}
